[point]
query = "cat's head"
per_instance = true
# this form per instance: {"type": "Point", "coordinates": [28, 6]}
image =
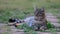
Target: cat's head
{"type": "Point", "coordinates": [39, 11]}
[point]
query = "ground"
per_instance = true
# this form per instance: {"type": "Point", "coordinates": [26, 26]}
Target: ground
{"type": "Point", "coordinates": [4, 29]}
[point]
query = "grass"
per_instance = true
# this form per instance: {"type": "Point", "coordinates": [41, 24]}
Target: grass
{"type": "Point", "coordinates": [22, 8]}
{"type": "Point", "coordinates": [49, 25]}
{"type": "Point", "coordinates": [5, 30]}
{"type": "Point", "coordinates": [6, 33]}
{"type": "Point", "coordinates": [26, 28]}
{"type": "Point", "coordinates": [59, 21]}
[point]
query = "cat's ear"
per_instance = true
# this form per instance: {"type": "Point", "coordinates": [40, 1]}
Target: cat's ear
{"type": "Point", "coordinates": [34, 7]}
{"type": "Point", "coordinates": [42, 9]}
{"type": "Point", "coordinates": [35, 10]}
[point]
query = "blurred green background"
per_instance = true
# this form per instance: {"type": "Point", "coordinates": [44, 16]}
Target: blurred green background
{"type": "Point", "coordinates": [23, 8]}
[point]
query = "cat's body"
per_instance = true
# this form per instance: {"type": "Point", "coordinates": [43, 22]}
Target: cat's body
{"type": "Point", "coordinates": [30, 21]}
